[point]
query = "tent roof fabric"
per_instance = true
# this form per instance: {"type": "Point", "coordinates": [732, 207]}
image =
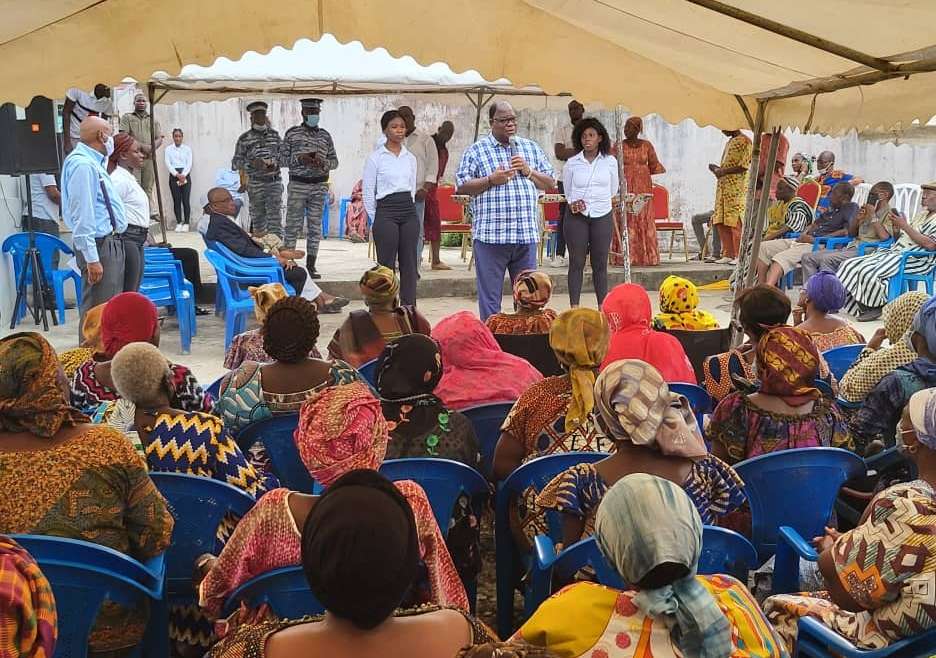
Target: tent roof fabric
{"type": "Point", "coordinates": [672, 57]}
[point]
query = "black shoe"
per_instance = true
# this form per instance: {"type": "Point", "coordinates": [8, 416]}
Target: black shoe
{"type": "Point", "coordinates": [201, 311]}
{"type": "Point", "coordinates": [310, 266]}
{"type": "Point", "coordinates": [868, 314]}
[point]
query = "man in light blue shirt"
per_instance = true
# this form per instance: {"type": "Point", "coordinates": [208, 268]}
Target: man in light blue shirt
{"type": "Point", "coordinates": [93, 211]}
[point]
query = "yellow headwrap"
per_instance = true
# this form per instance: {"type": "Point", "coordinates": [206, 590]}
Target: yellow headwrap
{"type": "Point", "coordinates": [679, 298]}
{"type": "Point", "coordinates": [379, 284]}
{"type": "Point", "coordinates": [264, 297]}
{"type": "Point", "coordinates": [579, 337]}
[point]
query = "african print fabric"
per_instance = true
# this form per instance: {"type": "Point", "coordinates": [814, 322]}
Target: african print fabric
{"type": "Point", "coordinates": [28, 623]}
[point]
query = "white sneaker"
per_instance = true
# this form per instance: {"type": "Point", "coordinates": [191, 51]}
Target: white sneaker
{"type": "Point", "coordinates": [559, 261]}
{"type": "Point", "coordinates": [724, 260]}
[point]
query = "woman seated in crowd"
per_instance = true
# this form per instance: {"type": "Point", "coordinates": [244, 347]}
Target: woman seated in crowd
{"type": "Point", "coordinates": [256, 391]}
{"type": "Point", "coordinates": [786, 410]}
{"type": "Point", "coordinates": [61, 475]}
{"type": "Point", "coordinates": [651, 533]}
{"type": "Point", "coordinates": [821, 297]}
{"type": "Point", "coordinates": [879, 414]}
{"type": "Point", "coordinates": [128, 318]}
{"type": "Point", "coordinates": [363, 334]}
{"type": "Point", "coordinates": [654, 431]}
{"type": "Point", "coordinates": [360, 552]}
{"type": "Point", "coordinates": [340, 429]}
{"type": "Point", "coordinates": [873, 600]}
{"type": "Point", "coordinates": [629, 315]}
{"type": "Point", "coordinates": [407, 374]}
{"type": "Point", "coordinates": [248, 346]}
{"type": "Point", "coordinates": [531, 293]}
{"type": "Point", "coordinates": [874, 362]}
{"type": "Point", "coordinates": [679, 303]}
{"type": "Point", "coordinates": [475, 370]}
{"type": "Point", "coordinates": [90, 344]}
{"type": "Point", "coordinates": [30, 621]}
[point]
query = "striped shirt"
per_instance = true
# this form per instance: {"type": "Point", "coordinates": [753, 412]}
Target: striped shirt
{"type": "Point", "coordinates": [504, 214]}
{"type": "Point", "coordinates": [798, 215]}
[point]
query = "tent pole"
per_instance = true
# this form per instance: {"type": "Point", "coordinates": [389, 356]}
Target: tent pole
{"type": "Point", "coordinates": [763, 203]}
{"type": "Point", "coordinates": [622, 193]}
{"type": "Point", "coordinates": [151, 90]}
{"type": "Point", "coordinates": [478, 105]}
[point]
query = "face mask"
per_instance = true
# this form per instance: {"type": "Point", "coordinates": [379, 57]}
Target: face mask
{"type": "Point", "coordinates": [109, 145]}
{"type": "Point", "coordinates": [261, 128]}
{"type": "Point", "coordinates": [312, 120]}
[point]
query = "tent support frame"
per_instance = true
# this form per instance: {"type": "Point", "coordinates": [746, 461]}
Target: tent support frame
{"type": "Point", "coordinates": [151, 92]}
{"type": "Point", "coordinates": [478, 105]}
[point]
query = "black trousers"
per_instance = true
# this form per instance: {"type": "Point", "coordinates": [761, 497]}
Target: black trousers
{"type": "Point", "coordinates": [134, 239]}
{"type": "Point", "coordinates": [396, 230]}
{"type": "Point", "coordinates": [190, 267]}
{"type": "Point", "coordinates": [40, 225]}
{"type": "Point", "coordinates": [587, 235]}
{"type": "Point", "coordinates": [296, 277]}
{"type": "Point", "coordinates": [560, 235]}
{"type": "Point", "coordinates": [181, 205]}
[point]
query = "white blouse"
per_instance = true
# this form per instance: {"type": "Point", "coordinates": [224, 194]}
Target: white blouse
{"type": "Point", "coordinates": [134, 198]}
{"type": "Point", "coordinates": [179, 157]}
{"type": "Point", "coordinates": [592, 182]}
{"type": "Point", "coordinates": [385, 174]}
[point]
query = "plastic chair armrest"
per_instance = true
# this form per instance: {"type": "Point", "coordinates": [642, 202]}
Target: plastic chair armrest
{"type": "Point", "coordinates": [799, 545]}
{"type": "Point", "coordinates": [847, 404]}
{"type": "Point", "coordinates": [545, 551]}
{"type": "Point", "coordinates": [253, 280]}
{"type": "Point", "coordinates": [824, 635]}
{"type": "Point", "coordinates": [156, 566]}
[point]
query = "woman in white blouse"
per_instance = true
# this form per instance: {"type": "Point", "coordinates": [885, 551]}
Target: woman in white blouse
{"type": "Point", "coordinates": [179, 164]}
{"type": "Point", "coordinates": [590, 181]}
{"type": "Point", "coordinates": [128, 156]}
{"type": "Point", "coordinates": [389, 185]}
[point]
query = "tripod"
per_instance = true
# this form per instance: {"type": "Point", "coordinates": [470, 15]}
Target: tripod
{"type": "Point", "coordinates": [40, 285]}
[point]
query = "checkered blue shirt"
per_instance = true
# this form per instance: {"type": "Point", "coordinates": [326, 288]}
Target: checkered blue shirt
{"type": "Point", "coordinates": [504, 214]}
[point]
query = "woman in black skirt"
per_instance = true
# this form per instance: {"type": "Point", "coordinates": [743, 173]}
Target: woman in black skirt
{"type": "Point", "coordinates": [389, 184]}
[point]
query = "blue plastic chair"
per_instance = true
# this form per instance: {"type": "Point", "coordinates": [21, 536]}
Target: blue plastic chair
{"type": "Point", "coordinates": [699, 399]}
{"type": "Point", "coordinates": [276, 435]}
{"type": "Point", "coordinates": [796, 487]}
{"type": "Point", "coordinates": [214, 388]}
{"type": "Point", "coordinates": [265, 267]}
{"type": "Point", "coordinates": [343, 215]}
{"type": "Point", "coordinates": [163, 287]}
{"type": "Point", "coordinates": [486, 419]}
{"type": "Point", "coordinates": [536, 473]}
{"type": "Point", "coordinates": [821, 243]}
{"type": "Point", "coordinates": [237, 303]}
{"type": "Point", "coordinates": [162, 261]}
{"type": "Point", "coordinates": [369, 372]}
{"type": "Point", "coordinates": [725, 551]}
{"type": "Point", "coordinates": [883, 244]}
{"type": "Point", "coordinates": [904, 281]}
{"type": "Point", "coordinates": [17, 244]}
{"type": "Point", "coordinates": [841, 358]}
{"type": "Point", "coordinates": [325, 220]}
{"type": "Point", "coordinates": [285, 590]}
{"type": "Point", "coordinates": [83, 575]}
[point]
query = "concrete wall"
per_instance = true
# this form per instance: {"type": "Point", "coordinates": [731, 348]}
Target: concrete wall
{"type": "Point", "coordinates": [10, 214]}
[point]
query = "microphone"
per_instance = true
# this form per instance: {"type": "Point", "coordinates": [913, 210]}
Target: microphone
{"type": "Point", "coordinates": [512, 141]}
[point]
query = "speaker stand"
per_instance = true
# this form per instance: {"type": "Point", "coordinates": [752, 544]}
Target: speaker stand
{"type": "Point", "coordinates": [40, 285]}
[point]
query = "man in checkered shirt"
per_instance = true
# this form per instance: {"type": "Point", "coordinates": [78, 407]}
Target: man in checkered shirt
{"type": "Point", "coordinates": [503, 173]}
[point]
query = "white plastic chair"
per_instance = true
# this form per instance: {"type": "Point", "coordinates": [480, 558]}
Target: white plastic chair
{"type": "Point", "coordinates": [861, 193]}
{"type": "Point", "coordinates": [907, 198]}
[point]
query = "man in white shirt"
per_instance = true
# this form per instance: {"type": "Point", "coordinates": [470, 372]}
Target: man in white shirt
{"type": "Point", "coordinates": [46, 198]}
{"type": "Point", "coordinates": [564, 149]}
{"type": "Point", "coordinates": [79, 105]}
{"type": "Point", "coordinates": [421, 145]}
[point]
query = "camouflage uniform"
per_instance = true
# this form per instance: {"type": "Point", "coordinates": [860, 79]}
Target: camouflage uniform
{"type": "Point", "coordinates": [138, 127]}
{"type": "Point", "coordinates": [264, 188]}
{"type": "Point", "coordinates": [307, 193]}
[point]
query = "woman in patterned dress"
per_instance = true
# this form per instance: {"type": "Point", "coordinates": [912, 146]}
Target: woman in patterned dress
{"type": "Point", "coordinates": [90, 344]}
{"type": "Point", "coordinates": [731, 192]}
{"type": "Point", "coordinates": [822, 297]}
{"type": "Point", "coordinates": [531, 293]}
{"type": "Point", "coordinates": [879, 575]}
{"type": "Point", "coordinates": [61, 475]}
{"type": "Point", "coordinates": [640, 163]}
{"type": "Point", "coordinates": [651, 533]}
{"type": "Point", "coordinates": [654, 432]}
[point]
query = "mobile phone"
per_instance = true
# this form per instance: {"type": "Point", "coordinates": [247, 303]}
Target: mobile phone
{"type": "Point", "coordinates": [872, 198]}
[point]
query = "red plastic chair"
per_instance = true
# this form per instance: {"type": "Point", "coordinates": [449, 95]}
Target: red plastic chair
{"type": "Point", "coordinates": [663, 221]}
{"type": "Point", "coordinates": [452, 216]}
{"type": "Point", "coordinates": [810, 191]}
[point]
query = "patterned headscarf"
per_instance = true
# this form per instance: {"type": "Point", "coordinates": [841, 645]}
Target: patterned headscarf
{"type": "Point", "coordinates": [924, 323]}
{"type": "Point", "coordinates": [91, 328]}
{"type": "Point", "coordinates": [32, 398]}
{"type": "Point", "coordinates": [899, 314]}
{"type": "Point", "coordinates": [644, 521]}
{"type": "Point", "coordinates": [679, 299]}
{"type": "Point", "coordinates": [264, 297]}
{"type": "Point", "coordinates": [793, 182]}
{"type": "Point", "coordinates": [788, 365]}
{"type": "Point", "coordinates": [341, 429]}
{"type": "Point", "coordinates": [579, 337]}
{"type": "Point", "coordinates": [532, 290]}
{"type": "Point", "coordinates": [826, 292]}
{"type": "Point", "coordinates": [379, 285]}
{"type": "Point", "coordinates": [408, 371]}
{"type": "Point", "coordinates": [28, 625]}
{"type": "Point", "coordinates": [807, 164]}
{"type": "Point", "coordinates": [634, 121]}
{"type": "Point", "coordinates": [127, 318]}
{"type": "Point", "coordinates": [122, 143]}
{"type": "Point", "coordinates": [922, 410]}
{"type": "Point", "coordinates": [636, 405]}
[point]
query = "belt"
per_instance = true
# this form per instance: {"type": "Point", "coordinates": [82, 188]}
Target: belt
{"type": "Point", "coordinates": [309, 179]}
{"type": "Point", "coordinates": [260, 179]}
{"type": "Point", "coordinates": [132, 228]}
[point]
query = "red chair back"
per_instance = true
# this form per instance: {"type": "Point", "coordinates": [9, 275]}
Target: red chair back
{"type": "Point", "coordinates": [810, 191]}
{"type": "Point", "coordinates": [551, 210]}
{"type": "Point", "coordinates": [449, 211]}
{"type": "Point", "coordinates": [660, 202]}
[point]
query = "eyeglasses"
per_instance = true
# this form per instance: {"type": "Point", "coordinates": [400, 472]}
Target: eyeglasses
{"type": "Point", "coordinates": [504, 121]}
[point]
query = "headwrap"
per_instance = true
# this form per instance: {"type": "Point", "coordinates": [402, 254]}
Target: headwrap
{"type": "Point", "coordinates": [341, 429]}
{"type": "Point", "coordinates": [475, 370]}
{"type": "Point", "coordinates": [826, 292]}
{"type": "Point", "coordinates": [123, 142]}
{"type": "Point", "coordinates": [408, 371]}
{"type": "Point", "coordinates": [634, 121]}
{"type": "Point", "coordinates": [644, 521]}
{"type": "Point", "coordinates": [32, 397]}
{"type": "Point", "coordinates": [627, 308]}
{"type": "Point", "coordinates": [91, 328]}
{"type": "Point", "coordinates": [29, 618]}
{"type": "Point", "coordinates": [264, 297]}
{"type": "Point", "coordinates": [579, 337]}
{"type": "Point", "coordinates": [532, 290]}
{"type": "Point", "coordinates": [636, 405]}
{"type": "Point", "coordinates": [679, 299]}
{"type": "Point", "coordinates": [788, 365]}
{"type": "Point", "coordinates": [922, 409]}
{"type": "Point", "coordinates": [127, 318]}
{"type": "Point", "coordinates": [924, 323]}
{"type": "Point", "coordinates": [379, 285]}
{"type": "Point", "coordinates": [899, 314]}
{"type": "Point", "coordinates": [807, 164]}
{"type": "Point", "coordinates": [361, 524]}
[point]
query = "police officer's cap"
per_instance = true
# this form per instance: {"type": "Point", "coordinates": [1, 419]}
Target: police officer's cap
{"type": "Point", "coordinates": [256, 105]}
{"type": "Point", "coordinates": [311, 103]}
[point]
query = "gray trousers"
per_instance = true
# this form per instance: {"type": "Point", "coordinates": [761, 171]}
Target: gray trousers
{"type": "Point", "coordinates": [266, 198]}
{"type": "Point", "coordinates": [305, 201]}
{"type": "Point", "coordinates": [421, 217]}
{"type": "Point", "coordinates": [112, 257]}
{"type": "Point", "coordinates": [698, 227]}
{"type": "Point", "coordinates": [826, 259]}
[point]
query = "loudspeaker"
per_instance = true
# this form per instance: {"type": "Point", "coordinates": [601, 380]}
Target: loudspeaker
{"type": "Point", "coordinates": [27, 139]}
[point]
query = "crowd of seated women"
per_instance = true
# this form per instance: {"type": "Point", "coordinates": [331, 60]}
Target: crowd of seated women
{"type": "Point", "coordinates": [372, 551]}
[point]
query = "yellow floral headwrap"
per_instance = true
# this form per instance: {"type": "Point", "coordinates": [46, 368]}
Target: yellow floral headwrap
{"type": "Point", "coordinates": [579, 337]}
{"type": "Point", "coordinates": [679, 298]}
{"type": "Point", "coordinates": [379, 285]}
{"type": "Point", "coordinates": [264, 297]}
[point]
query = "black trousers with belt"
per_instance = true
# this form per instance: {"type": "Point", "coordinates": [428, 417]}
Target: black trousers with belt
{"type": "Point", "coordinates": [134, 239]}
{"type": "Point", "coordinates": [396, 230]}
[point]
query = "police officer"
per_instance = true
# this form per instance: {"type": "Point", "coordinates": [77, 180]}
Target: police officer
{"type": "Point", "coordinates": [309, 152]}
{"type": "Point", "coordinates": [256, 157]}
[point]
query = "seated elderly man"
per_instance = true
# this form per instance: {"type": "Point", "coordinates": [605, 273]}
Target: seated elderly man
{"type": "Point", "coordinates": [828, 177]}
{"type": "Point", "coordinates": [872, 223]}
{"type": "Point", "coordinates": [222, 228]}
{"type": "Point", "coordinates": [778, 257]}
{"type": "Point", "coordinates": [788, 212]}
{"type": "Point", "coordinates": [866, 279]}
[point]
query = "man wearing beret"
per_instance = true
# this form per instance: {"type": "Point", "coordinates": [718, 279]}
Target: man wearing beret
{"type": "Point", "coordinates": [256, 157]}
